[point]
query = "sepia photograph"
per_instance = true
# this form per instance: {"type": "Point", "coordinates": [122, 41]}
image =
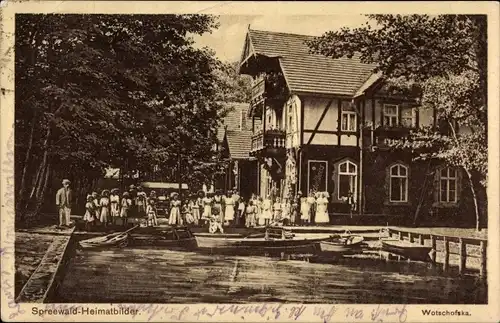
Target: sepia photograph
{"type": "Point", "coordinates": [188, 158]}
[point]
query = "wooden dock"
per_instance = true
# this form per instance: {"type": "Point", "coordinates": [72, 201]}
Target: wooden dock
{"type": "Point", "coordinates": [468, 250]}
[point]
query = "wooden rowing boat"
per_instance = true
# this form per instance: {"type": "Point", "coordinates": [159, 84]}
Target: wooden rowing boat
{"type": "Point", "coordinates": [340, 245]}
{"type": "Point", "coordinates": [117, 239]}
{"type": "Point", "coordinates": [406, 249]}
{"type": "Point", "coordinates": [164, 236]}
{"type": "Point", "coordinates": [257, 245]}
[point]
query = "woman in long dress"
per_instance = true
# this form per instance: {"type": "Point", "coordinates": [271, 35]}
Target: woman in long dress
{"type": "Point", "coordinates": [114, 199]}
{"type": "Point", "coordinates": [260, 211]}
{"type": "Point", "coordinates": [175, 210]}
{"type": "Point", "coordinates": [207, 207]}
{"type": "Point", "coordinates": [195, 205]}
{"type": "Point", "coordinates": [266, 210]}
{"type": "Point", "coordinates": [141, 202]}
{"type": "Point", "coordinates": [104, 205]}
{"type": "Point", "coordinates": [126, 205]}
{"type": "Point", "coordinates": [322, 209]}
{"type": "Point", "coordinates": [229, 210]}
{"type": "Point", "coordinates": [295, 211]}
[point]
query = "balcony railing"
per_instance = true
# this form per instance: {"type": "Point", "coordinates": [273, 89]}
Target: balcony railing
{"type": "Point", "coordinates": [272, 140]}
{"type": "Point", "coordinates": [388, 136]}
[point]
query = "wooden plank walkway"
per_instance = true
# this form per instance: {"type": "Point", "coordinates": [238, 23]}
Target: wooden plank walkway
{"type": "Point", "coordinates": [450, 251]}
{"type": "Point", "coordinates": [41, 282]}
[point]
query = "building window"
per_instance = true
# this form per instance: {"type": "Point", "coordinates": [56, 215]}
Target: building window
{"type": "Point", "coordinates": [448, 185]}
{"type": "Point", "coordinates": [390, 115]}
{"type": "Point", "coordinates": [348, 121]}
{"type": "Point", "coordinates": [409, 117]}
{"type": "Point", "coordinates": [348, 117]}
{"type": "Point", "coordinates": [398, 184]}
{"type": "Point", "coordinates": [347, 179]}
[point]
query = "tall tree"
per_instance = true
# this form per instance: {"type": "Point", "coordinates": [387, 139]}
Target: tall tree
{"type": "Point", "coordinates": [95, 91]}
{"type": "Point", "coordinates": [441, 60]}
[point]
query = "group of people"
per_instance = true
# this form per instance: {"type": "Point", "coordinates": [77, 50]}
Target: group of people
{"type": "Point", "coordinates": [216, 209]}
{"type": "Point", "coordinates": [113, 207]}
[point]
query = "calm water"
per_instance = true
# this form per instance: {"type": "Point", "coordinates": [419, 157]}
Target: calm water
{"type": "Point", "coordinates": [143, 275]}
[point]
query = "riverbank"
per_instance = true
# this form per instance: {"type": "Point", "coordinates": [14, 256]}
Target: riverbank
{"type": "Point", "coordinates": [38, 260]}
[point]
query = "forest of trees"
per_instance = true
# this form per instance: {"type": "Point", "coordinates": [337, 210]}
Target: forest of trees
{"type": "Point", "coordinates": [98, 91]}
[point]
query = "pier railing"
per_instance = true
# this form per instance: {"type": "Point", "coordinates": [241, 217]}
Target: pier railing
{"type": "Point", "coordinates": [420, 238]}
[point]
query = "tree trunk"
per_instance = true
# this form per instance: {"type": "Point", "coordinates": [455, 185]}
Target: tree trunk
{"type": "Point", "coordinates": [23, 188]}
{"type": "Point", "coordinates": [474, 198]}
{"type": "Point", "coordinates": [469, 177]}
{"type": "Point", "coordinates": [41, 197]}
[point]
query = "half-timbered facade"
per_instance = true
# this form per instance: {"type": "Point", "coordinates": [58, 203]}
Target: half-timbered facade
{"type": "Point", "coordinates": [322, 124]}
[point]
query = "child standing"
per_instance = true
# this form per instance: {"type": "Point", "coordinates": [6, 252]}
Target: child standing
{"type": "Point", "coordinates": [126, 204]}
{"type": "Point", "coordinates": [250, 215]}
{"type": "Point", "coordinates": [89, 216]}
{"type": "Point", "coordinates": [104, 205]}
{"type": "Point", "coordinates": [151, 213]}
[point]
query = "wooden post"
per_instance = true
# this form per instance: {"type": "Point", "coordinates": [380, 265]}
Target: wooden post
{"type": "Point", "coordinates": [410, 237]}
{"type": "Point", "coordinates": [400, 235]}
{"type": "Point", "coordinates": [446, 261]}
{"type": "Point", "coordinates": [462, 251]}
{"type": "Point", "coordinates": [482, 268]}
{"type": "Point", "coordinates": [420, 240]}
{"type": "Point", "coordinates": [434, 251]}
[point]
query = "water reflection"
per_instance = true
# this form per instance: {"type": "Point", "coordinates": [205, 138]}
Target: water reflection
{"type": "Point", "coordinates": [164, 276]}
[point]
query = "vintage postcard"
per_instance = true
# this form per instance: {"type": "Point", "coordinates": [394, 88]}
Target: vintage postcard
{"type": "Point", "coordinates": [249, 162]}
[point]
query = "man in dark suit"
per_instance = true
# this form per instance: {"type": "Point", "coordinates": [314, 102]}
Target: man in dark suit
{"type": "Point", "coordinates": [64, 199]}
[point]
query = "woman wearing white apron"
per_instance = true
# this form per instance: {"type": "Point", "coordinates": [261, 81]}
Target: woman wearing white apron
{"type": "Point", "coordinates": [175, 210]}
{"type": "Point", "coordinates": [322, 209]}
{"type": "Point", "coordinates": [266, 210]}
{"type": "Point", "coordinates": [229, 210]}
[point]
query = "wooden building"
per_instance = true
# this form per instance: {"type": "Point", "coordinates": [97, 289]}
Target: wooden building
{"type": "Point", "coordinates": [323, 124]}
{"type": "Point", "coordinates": [234, 140]}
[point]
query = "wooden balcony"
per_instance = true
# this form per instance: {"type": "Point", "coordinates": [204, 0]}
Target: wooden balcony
{"type": "Point", "coordinates": [387, 136]}
{"type": "Point", "coordinates": [258, 93]}
{"type": "Point", "coordinates": [269, 143]}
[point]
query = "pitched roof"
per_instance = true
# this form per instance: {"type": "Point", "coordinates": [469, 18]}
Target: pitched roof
{"type": "Point", "coordinates": [239, 139]}
{"type": "Point", "coordinates": [308, 72]}
{"type": "Point", "coordinates": [240, 143]}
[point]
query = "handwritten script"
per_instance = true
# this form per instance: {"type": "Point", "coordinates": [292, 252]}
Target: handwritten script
{"type": "Point", "coordinates": [8, 233]}
{"type": "Point", "coordinates": [234, 312]}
